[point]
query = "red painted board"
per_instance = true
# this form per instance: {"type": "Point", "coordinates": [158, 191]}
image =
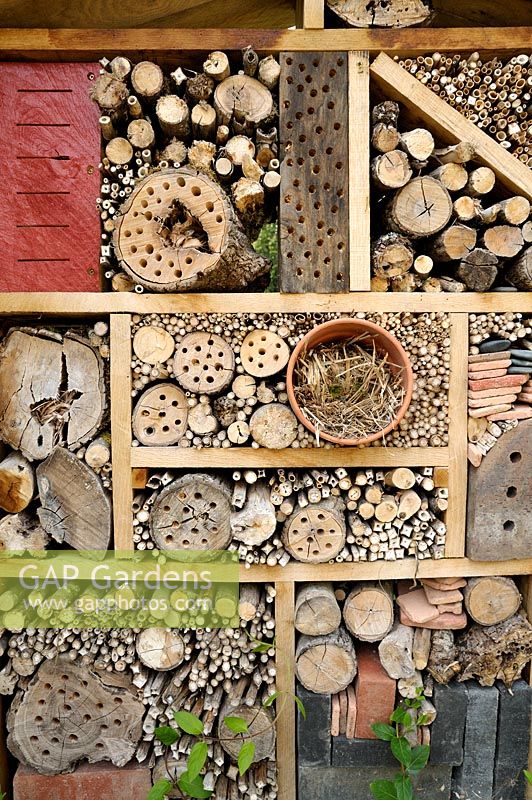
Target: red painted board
{"type": "Point", "coordinates": [49, 154]}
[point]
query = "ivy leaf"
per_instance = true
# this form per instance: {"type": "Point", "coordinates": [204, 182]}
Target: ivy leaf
{"type": "Point", "coordinates": [403, 788]}
{"type": "Point", "coordinates": [246, 756]}
{"type": "Point", "coordinates": [528, 776]}
{"type": "Point", "coordinates": [418, 757]}
{"type": "Point", "coordinates": [301, 707]}
{"type": "Point", "coordinates": [236, 724]}
{"type": "Point", "coordinates": [422, 719]}
{"type": "Point", "coordinates": [261, 647]}
{"type": "Point", "coordinates": [401, 716]}
{"type": "Point", "coordinates": [383, 790]}
{"type": "Point", "coordinates": [158, 791]}
{"type": "Point", "coordinates": [196, 759]}
{"type": "Point", "coordinates": [189, 723]}
{"type": "Point", "coordinates": [271, 699]}
{"type": "Point", "coordinates": [402, 750]}
{"type": "Point", "coordinates": [193, 788]}
{"type": "Point", "coordinates": [383, 731]}
{"type": "Point", "coordinates": [166, 735]}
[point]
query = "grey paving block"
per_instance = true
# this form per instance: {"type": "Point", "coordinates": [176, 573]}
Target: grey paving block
{"type": "Point", "coordinates": [513, 737]}
{"type": "Point", "coordinates": [313, 733]}
{"type": "Point", "coordinates": [361, 753]}
{"type": "Point", "coordinates": [473, 779]}
{"type": "Point", "coordinates": [352, 783]}
{"type": "Point", "coordinates": [447, 730]}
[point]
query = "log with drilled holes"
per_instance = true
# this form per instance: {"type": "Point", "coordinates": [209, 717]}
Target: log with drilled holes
{"type": "Point", "coordinates": [192, 513]}
{"type": "Point", "coordinates": [160, 415]}
{"type": "Point", "coordinates": [186, 237]}
{"type": "Point", "coordinates": [317, 533]}
{"type": "Point", "coordinates": [326, 664]}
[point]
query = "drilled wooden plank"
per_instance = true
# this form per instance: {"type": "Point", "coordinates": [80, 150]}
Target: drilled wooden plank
{"type": "Point", "coordinates": [314, 204]}
{"type": "Point", "coordinates": [49, 153]}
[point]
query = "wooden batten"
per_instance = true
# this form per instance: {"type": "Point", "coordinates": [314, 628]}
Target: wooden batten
{"type": "Point", "coordinates": [121, 430]}
{"type": "Point", "coordinates": [359, 199]}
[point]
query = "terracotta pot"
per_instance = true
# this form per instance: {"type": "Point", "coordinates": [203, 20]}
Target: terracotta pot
{"type": "Point", "coordinates": [347, 328]}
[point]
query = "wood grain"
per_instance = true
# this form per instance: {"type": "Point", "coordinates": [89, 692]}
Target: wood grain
{"type": "Point", "coordinates": [121, 430]}
{"type": "Point", "coordinates": [456, 511]}
{"type": "Point", "coordinates": [314, 196]}
{"type": "Point", "coordinates": [310, 13]}
{"type": "Point", "coordinates": [359, 157]}
{"type": "Point", "coordinates": [49, 122]}
{"type": "Point", "coordinates": [208, 457]}
{"type": "Point", "coordinates": [285, 683]}
{"type": "Point", "coordinates": [448, 124]}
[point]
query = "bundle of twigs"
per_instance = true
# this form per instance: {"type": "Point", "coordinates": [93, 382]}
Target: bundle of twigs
{"type": "Point", "coordinates": [347, 390]}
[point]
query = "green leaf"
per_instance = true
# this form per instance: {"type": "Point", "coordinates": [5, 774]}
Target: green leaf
{"type": "Point", "coordinates": [196, 759]}
{"type": "Point", "coordinates": [158, 791]}
{"type": "Point", "coordinates": [193, 788]}
{"type": "Point", "coordinates": [401, 750]}
{"type": "Point", "coordinates": [166, 735]}
{"type": "Point", "coordinates": [261, 647]}
{"type": "Point", "coordinates": [403, 788]}
{"type": "Point", "coordinates": [418, 757]}
{"type": "Point", "coordinates": [189, 723]}
{"type": "Point", "coordinates": [401, 716]}
{"type": "Point", "coordinates": [246, 756]}
{"type": "Point", "coordinates": [383, 731]}
{"type": "Point", "coordinates": [422, 719]}
{"type": "Point", "coordinates": [236, 724]}
{"type": "Point", "coordinates": [383, 790]}
{"type": "Point", "coordinates": [271, 699]}
{"type": "Point", "coordinates": [301, 707]}
{"type": "Point", "coordinates": [528, 776]}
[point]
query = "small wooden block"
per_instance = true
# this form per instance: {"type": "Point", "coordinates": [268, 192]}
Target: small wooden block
{"type": "Point", "coordinates": [517, 412]}
{"type": "Point", "coordinates": [343, 712]}
{"type": "Point", "coordinates": [441, 477]}
{"type": "Point", "coordinates": [351, 713]}
{"type": "Point", "coordinates": [474, 454]}
{"type": "Point", "coordinates": [49, 155]}
{"type": "Point", "coordinates": [314, 207]}
{"type": "Point", "coordinates": [487, 373]}
{"type": "Point", "coordinates": [335, 715]}
{"type": "Point", "coordinates": [494, 364]}
{"type": "Point", "coordinates": [139, 477]}
{"type": "Point", "coordinates": [264, 353]}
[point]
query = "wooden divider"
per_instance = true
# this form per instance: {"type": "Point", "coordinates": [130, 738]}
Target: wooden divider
{"type": "Point", "coordinates": [359, 157]}
{"type": "Point", "coordinates": [285, 682]}
{"type": "Point", "coordinates": [456, 511]}
{"type": "Point", "coordinates": [121, 430]}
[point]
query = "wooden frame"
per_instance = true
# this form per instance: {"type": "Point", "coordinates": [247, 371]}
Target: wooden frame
{"type": "Point", "coordinates": [129, 463]}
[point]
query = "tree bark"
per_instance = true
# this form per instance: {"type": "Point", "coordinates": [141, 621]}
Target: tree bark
{"type": "Point", "coordinates": [495, 652]}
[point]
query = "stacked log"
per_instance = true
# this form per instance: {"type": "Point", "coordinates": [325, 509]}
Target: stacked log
{"type": "Point", "coordinates": [494, 93]}
{"type": "Point", "coordinates": [275, 516]}
{"type": "Point", "coordinates": [500, 363]}
{"type": "Point", "coordinates": [190, 140]}
{"type": "Point", "coordinates": [244, 402]}
{"type": "Point", "coordinates": [443, 229]}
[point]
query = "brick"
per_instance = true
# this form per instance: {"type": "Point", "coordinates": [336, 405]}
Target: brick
{"type": "Point", "coordinates": [361, 753]}
{"type": "Point", "coordinates": [352, 783]}
{"type": "Point", "coordinates": [503, 363]}
{"type": "Point", "coordinates": [517, 412]}
{"type": "Point", "coordinates": [89, 781]}
{"type": "Point", "coordinates": [450, 608]}
{"type": "Point", "coordinates": [485, 358]}
{"type": "Point", "coordinates": [443, 622]}
{"type": "Point", "coordinates": [497, 383]}
{"type": "Point", "coordinates": [487, 410]}
{"type": "Point", "coordinates": [483, 402]}
{"type": "Point", "coordinates": [474, 394]}
{"type": "Point", "coordinates": [437, 596]}
{"type": "Point", "coordinates": [525, 397]}
{"type": "Point", "coordinates": [499, 504]}
{"type": "Point", "coordinates": [375, 692]}
{"type": "Point", "coordinates": [513, 736]}
{"type": "Point", "coordinates": [416, 606]}
{"type": "Point", "coordinates": [313, 734]}
{"type": "Point", "coordinates": [474, 777]}
{"type": "Point", "coordinates": [488, 373]}
{"type": "Point", "coordinates": [447, 730]}
{"type": "Point", "coordinates": [445, 583]}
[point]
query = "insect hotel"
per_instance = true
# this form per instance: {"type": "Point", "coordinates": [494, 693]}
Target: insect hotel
{"type": "Point", "coordinates": [265, 295]}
